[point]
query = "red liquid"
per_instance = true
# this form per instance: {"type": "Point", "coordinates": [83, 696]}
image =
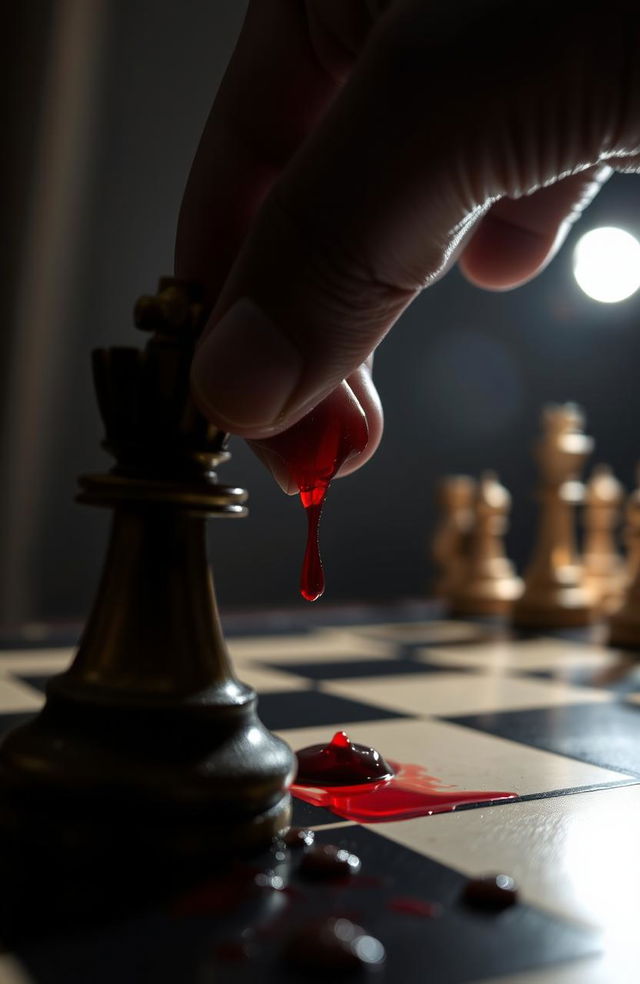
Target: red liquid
{"type": "Point", "coordinates": [309, 455]}
{"type": "Point", "coordinates": [340, 763]}
{"type": "Point", "coordinates": [409, 906]}
{"type": "Point", "coordinates": [409, 791]}
{"type": "Point", "coordinates": [312, 576]}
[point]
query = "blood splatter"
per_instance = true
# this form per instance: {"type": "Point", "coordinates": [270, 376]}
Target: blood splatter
{"type": "Point", "coordinates": [356, 783]}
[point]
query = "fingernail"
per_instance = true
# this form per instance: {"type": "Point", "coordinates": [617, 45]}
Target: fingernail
{"type": "Point", "coordinates": [245, 370]}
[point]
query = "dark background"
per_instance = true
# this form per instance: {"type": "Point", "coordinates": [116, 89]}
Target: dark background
{"type": "Point", "coordinates": [463, 376]}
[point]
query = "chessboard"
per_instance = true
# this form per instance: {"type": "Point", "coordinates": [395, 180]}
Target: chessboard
{"type": "Point", "coordinates": [552, 717]}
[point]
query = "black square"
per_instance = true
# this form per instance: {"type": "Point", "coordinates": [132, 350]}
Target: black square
{"type": "Point", "coordinates": [38, 681]}
{"type": "Point", "coordinates": [461, 944]}
{"type": "Point", "coordinates": [10, 721]}
{"type": "Point", "coordinates": [310, 708]}
{"type": "Point", "coordinates": [605, 734]}
{"type": "Point", "coordinates": [353, 668]}
{"type": "Point", "coordinates": [308, 815]}
{"type": "Point", "coordinates": [620, 680]}
{"type": "Point", "coordinates": [167, 943]}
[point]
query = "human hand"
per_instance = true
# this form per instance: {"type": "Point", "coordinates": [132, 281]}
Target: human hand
{"type": "Point", "coordinates": [357, 149]}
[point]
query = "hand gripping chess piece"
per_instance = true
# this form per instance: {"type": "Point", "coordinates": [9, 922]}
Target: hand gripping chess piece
{"type": "Point", "coordinates": [603, 566]}
{"type": "Point", "coordinates": [555, 593]}
{"type": "Point", "coordinates": [455, 500]}
{"type": "Point", "coordinates": [624, 624]}
{"type": "Point", "coordinates": [149, 745]}
{"type": "Point", "coordinates": [488, 585]}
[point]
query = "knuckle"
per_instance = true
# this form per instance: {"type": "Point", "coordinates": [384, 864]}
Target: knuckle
{"type": "Point", "coordinates": [350, 298]}
{"type": "Point", "coordinates": [552, 103]}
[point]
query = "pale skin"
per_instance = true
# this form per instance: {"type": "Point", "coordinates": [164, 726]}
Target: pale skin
{"type": "Point", "coordinates": [357, 148]}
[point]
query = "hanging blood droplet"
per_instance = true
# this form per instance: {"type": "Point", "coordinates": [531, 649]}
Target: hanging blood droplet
{"type": "Point", "coordinates": [312, 575]}
{"type": "Point", "coordinates": [310, 454]}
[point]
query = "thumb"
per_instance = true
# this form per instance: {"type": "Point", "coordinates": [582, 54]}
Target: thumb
{"type": "Point", "coordinates": [449, 110]}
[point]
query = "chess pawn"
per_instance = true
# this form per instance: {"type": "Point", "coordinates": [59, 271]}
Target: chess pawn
{"type": "Point", "coordinates": [455, 499]}
{"type": "Point", "coordinates": [489, 585]}
{"type": "Point", "coordinates": [555, 593]}
{"type": "Point", "coordinates": [603, 567]}
{"type": "Point", "coordinates": [624, 625]}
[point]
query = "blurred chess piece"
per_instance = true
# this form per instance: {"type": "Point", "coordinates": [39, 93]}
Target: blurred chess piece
{"type": "Point", "coordinates": [603, 565]}
{"type": "Point", "coordinates": [624, 625]}
{"type": "Point", "coordinates": [488, 585]}
{"type": "Point", "coordinates": [555, 593]}
{"type": "Point", "coordinates": [455, 500]}
{"type": "Point", "coordinates": [631, 533]}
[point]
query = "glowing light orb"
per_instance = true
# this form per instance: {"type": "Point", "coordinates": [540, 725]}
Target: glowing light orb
{"type": "Point", "coordinates": [606, 264]}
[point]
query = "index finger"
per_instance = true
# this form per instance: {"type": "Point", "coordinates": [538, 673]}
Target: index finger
{"type": "Point", "coordinates": [272, 93]}
{"type": "Point", "coordinates": [449, 109]}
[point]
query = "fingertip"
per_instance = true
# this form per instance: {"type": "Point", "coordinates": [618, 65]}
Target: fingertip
{"type": "Point", "coordinates": [276, 464]}
{"type": "Point", "coordinates": [355, 405]}
{"type": "Point", "coordinates": [501, 255]}
{"type": "Point", "coordinates": [518, 237]}
{"type": "Point", "coordinates": [245, 370]}
{"type": "Point", "coordinates": [362, 385]}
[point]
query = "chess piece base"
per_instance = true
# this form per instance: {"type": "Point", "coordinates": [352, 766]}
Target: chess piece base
{"type": "Point", "coordinates": [624, 630]}
{"type": "Point", "coordinates": [461, 607]}
{"type": "Point", "coordinates": [493, 596]}
{"type": "Point", "coordinates": [70, 832]}
{"type": "Point", "coordinates": [100, 775]}
{"type": "Point", "coordinates": [525, 616]}
{"type": "Point", "coordinates": [558, 603]}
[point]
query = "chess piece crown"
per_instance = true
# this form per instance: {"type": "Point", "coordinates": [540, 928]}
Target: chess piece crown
{"type": "Point", "coordinates": [152, 427]}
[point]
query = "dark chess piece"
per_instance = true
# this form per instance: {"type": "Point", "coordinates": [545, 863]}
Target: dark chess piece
{"type": "Point", "coordinates": [148, 745]}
